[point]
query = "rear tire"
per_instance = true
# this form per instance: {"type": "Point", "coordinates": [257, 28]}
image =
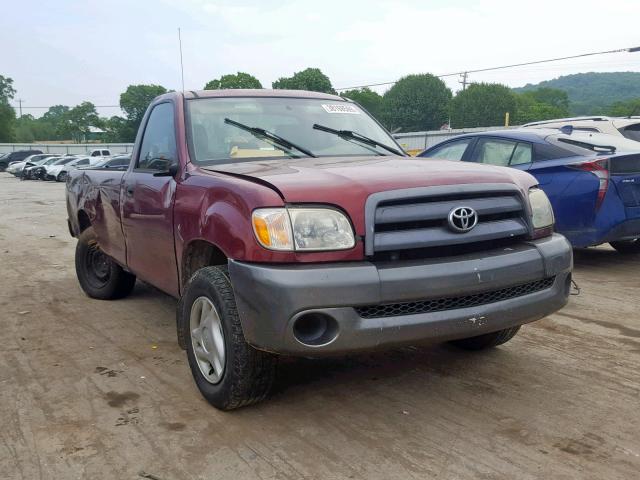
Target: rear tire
{"type": "Point", "coordinates": [3, 166]}
{"type": "Point", "coordinates": [628, 247]}
{"type": "Point", "coordinates": [488, 340]}
{"type": "Point", "coordinates": [228, 371]}
{"type": "Point", "coordinates": [99, 276]}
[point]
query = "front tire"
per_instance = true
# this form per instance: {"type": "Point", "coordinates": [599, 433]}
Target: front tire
{"type": "Point", "coordinates": [628, 247]}
{"type": "Point", "coordinates": [488, 340]}
{"type": "Point", "coordinates": [100, 276]}
{"type": "Point", "coordinates": [228, 371]}
{"type": "Point", "coordinates": [62, 177]}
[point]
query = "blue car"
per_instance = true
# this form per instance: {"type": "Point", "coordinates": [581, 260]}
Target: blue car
{"type": "Point", "coordinates": [592, 180]}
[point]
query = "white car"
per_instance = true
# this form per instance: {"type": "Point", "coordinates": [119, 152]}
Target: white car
{"type": "Point", "coordinates": [99, 154]}
{"type": "Point", "coordinates": [16, 168]}
{"type": "Point", "coordinates": [58, 163]}
{"type": "Point", "coordinates": [59, 172]}
{"type": "Point", "coordinates": [628, 127]}
{"type": "Point", "coordinates": [34, 171]}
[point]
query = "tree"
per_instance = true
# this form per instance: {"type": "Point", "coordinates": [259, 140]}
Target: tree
{"type": "Point", "coordinates": [80, 118]}
{"type": "Point", "coordinates": [7, 122]}
{"type": "Point", "coordinates": [370, 100]}
{"type": "Point", "coordinates": [482, 105]}
{"type": "Point", "coordinates": [7, 113]}
{"type": "Point", "coordinates": [54, 122]}
{"type": "Point", "coordinates": [55, 113]}
{"type": "Point", "coordinates": [532, 108]}
{"type": "Point", "coordinates": [238, 80]}
{"type": "Point", "coordinates": [625, 109]}
{"type": "Point", "coordinates": [119, 129]}
{"type": "Point", "coordinates": [551, 96]}
{"type": "Point", "coordinates": [416, 103]}
{"type": "Point", "coordinates": [593, 93]}
{"type": "Point", "coordinates": [135, 100]}
{"type": "Point", "coordinates": [310, 79]}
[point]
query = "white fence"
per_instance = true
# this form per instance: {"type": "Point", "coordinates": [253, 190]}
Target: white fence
{"type": "Point", "coordinates": [418, 141]}
{"type": "Point", "coordinates": [61, 148]}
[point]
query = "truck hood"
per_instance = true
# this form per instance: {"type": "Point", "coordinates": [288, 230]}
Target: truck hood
{"type": "Point", "coordinates": [352, 179]}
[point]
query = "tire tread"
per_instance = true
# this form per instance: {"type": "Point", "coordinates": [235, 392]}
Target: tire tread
{"type": "Point", "coordinates": [253, 370]}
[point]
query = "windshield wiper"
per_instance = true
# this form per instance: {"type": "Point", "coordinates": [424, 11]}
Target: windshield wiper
{"type": "Point", "coordinates": [589, 146]}
{"type": "Point", "coordinates": [272, 137]}
{"type": "Point", "coordinates": [350, 135]}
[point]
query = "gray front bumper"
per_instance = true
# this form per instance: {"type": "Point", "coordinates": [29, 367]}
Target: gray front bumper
{"type": "Point", "coordinates": [271, 298]}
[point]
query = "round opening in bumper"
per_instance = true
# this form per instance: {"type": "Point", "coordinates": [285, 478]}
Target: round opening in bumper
{"type": "Point", "coordinates": [315, 329]}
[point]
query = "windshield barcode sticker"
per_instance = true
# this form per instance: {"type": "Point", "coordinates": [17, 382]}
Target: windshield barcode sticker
{"type": "Point", "coordinates": [341, 108]}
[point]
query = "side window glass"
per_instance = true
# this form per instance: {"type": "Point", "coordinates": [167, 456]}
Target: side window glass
{"type": "Point", "coordinates": [522, 154]}
{"type": "Point", "coordinates": [105, 153]}
{"type": "Point", "coordinates": [451, 151]}
{"type": "Point", "coordinates": [493, 151]}
{"type": "Point", "coordinates": [158, 149]}
{"type": "Point", "coordinates": [95, 154]}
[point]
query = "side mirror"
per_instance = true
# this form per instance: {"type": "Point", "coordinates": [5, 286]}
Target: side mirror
{"type": "Point", "coordinates": [172, 171]}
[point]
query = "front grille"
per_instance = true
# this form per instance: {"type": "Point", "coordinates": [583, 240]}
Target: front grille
{"type": "Point", "coordinates": [417, 219]}
{"type": "Point", "coordinates": [452, 303]}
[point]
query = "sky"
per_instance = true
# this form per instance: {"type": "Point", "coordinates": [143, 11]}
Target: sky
{"type": "Point", "coordinates": [69, 51]}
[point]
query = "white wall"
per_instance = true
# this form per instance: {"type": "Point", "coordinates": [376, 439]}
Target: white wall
{"type": "Point", "coordinates": [77, 148]}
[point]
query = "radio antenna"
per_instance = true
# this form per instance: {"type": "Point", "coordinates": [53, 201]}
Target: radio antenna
{"type": "Point", "coordinates": [181, 64]}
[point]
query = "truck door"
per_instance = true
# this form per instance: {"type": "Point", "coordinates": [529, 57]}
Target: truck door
{"type": "Point", "coordinates": [147, 203]}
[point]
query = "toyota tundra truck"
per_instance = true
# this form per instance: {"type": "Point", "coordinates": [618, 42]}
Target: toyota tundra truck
{"type": "Point", "coordinates": [292, 223]}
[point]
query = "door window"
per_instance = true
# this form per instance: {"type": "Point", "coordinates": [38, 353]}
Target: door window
{"type": "Point", "coordinates": [158, 149]}
{"type": "Point", "coordinates": [503, 153]}
{"type": "Point", "coordinates": [451, 150]}
{"type": "Point", "coordinates": [521, 155]}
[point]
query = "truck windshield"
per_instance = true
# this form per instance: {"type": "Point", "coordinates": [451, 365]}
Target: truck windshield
{"type": "Point", "coordinates": [214, 139]}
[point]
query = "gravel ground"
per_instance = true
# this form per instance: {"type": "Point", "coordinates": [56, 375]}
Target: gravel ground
{"type": "Point", "coordinates": [93, 389]}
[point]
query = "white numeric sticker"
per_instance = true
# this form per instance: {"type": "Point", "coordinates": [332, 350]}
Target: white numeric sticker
{"type": "Point", "coordinates": [341, 108]}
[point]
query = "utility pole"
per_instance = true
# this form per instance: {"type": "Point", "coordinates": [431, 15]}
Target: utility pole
{"type": "Point", "coordinates": [20, 106]}
{"type": "Point", "coordinates": [463, 80]}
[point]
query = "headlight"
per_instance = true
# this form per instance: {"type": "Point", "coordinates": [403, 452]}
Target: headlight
{"type": "Point", "coordinates": [541, 212]}
{"type": "Point", "coordinates": [302, 229]}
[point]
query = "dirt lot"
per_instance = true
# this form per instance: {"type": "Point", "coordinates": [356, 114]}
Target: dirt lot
{"type": "Point", "coordinates": [92, 389]}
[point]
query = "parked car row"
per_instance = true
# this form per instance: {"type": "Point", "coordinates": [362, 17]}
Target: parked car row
{"type": "Point", "coordinates": [592, 179]}
{"type": "Point", "coordinates": [57, 167]}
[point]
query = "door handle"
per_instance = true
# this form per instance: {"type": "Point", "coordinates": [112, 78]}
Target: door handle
{"type": "Point", "coordinates": [129, 191]}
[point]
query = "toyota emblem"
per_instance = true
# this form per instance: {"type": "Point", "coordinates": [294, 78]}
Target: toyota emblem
{"type": "Point", "coordinates": [462, 219]}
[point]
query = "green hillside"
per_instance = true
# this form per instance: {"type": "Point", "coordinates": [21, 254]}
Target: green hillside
{"type": "Point", "coordinates": [591, 93]}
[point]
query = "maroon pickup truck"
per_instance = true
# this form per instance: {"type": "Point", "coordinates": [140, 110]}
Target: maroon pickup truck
{"type": "Point", "coordinates": [292, 223]}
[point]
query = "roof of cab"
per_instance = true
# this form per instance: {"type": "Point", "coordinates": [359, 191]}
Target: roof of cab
{"type": "Point", "coordinates": [266, 92]}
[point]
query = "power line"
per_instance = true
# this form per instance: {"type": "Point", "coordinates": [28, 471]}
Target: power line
{"type": "Point", "coordinates": [464, 73]}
